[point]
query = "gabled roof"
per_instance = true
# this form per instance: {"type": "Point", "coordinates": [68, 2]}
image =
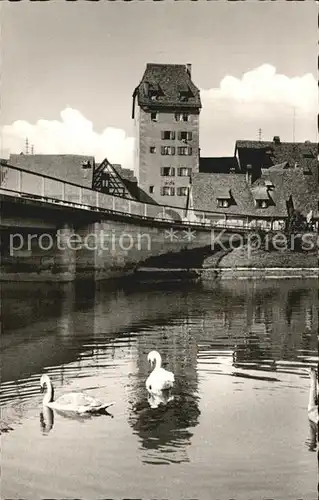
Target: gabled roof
{"type": "Point", "coordinates": [69, 168]}
{"type": "Point", "coordinates": [218, 165]}
{"type": "Point", "coordinates": [171, 80]}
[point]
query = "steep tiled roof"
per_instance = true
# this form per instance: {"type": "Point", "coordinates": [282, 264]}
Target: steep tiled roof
{"type": "Point", "coordinates": [286, 183]}
{"type": "Point", "coordinates": [267, 153]}
{"type": "Point", "coordinates": [206, 189]}
{"type": "Point", "coordinates": [125, 173]}
{"type": "Point", "coordinates": [130, 182]}
{"type": "Point", "coordinates": [303, 189]}
{"type": "Point", "coordinates": [222, 165]}
{"type": "Point", "coordinates": [167, 81]}
{"type": "Point", "coordinates": [68, 168]}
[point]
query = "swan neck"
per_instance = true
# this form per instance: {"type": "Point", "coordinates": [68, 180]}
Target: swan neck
{"type": "Point", "coordinates": [158, 362]}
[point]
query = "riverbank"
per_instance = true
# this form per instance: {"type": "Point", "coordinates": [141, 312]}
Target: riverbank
{"type": "Point", "coordinates": [240, 264]}
{"type": "Point", "coordinates": [261, 259]}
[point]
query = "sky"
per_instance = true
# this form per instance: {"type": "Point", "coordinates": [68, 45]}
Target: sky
{"type": "Point", "coordinates": [68, 71]}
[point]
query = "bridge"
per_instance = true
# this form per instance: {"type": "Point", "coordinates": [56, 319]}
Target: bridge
{"type": "Point", "coordinates": [56, 230]}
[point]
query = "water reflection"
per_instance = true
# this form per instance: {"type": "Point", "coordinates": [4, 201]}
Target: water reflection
{"type": "Point", "coordinates": [165, 430]}
{"type": "Point", "coordinates": [46, 420]}
{"type": "Point", "coordinates": [165, 423]}
{"type": "Point", "coordinates": [47, 417]}
{"type": "Point", "coordinates": [162, 398]}
{"type": "Point", "coordinates": [254, 353]}
{"type": "Point", "coordinates": [312, 441]}
{"type": "Point", "coordinates": [228, 344]}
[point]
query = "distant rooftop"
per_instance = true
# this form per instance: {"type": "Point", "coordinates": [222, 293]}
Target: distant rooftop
{"type": "Point", "coordinates": [265, 154]}
{"type": "Point", "coordinates": [276, 186]}
{"type": "Point", "coordinates": [77, 169]}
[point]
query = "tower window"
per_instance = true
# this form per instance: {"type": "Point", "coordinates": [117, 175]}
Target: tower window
{"type": "Point", "coordinates": [152, 149]}
{"type": "Point", "coordinates": [151, 189]}
{"type": "Point", "coordinates": [167, 191]}
{"type": "Point", "coordinates": [168, 171]}
{"type": "Point", "coordinates": [185, 136]}
{"type": "Point", "coordinates": [185, 151]}
{"type": "Point", "coordinates": [167, 150]}
{"type": "Point", "coordinates": [168, 134]}
{"type": "Point", "coordinates": [181, 117]}
{"type": "Point", "coordinates": [182, 191]}
{"type": "Point", "coordinates": [184, 171]}
{"type": "Point", "coordinates": [154, 116]}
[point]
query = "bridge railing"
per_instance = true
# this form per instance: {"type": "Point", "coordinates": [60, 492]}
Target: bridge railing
{"type": "Point", "coordinates": [19, 182]}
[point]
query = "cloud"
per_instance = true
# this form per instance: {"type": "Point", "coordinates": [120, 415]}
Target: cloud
{"type": "Point", "coordinates": [261, 98]}
{"type": "Point", "coordinates": [73, 134]}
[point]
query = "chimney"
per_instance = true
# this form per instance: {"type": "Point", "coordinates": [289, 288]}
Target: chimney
{"type": "Point", "coordinates": [189, 69]}
{"type": "Point", "coordinates": [248, 174]}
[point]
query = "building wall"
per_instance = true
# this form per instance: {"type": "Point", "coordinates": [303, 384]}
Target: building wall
{"type": "Point", "coordinates": [149, 134]}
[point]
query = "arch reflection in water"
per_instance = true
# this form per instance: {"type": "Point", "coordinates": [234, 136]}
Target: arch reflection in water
{"type": "Point", "coordinates": [254, 353]}
{"type": "Point", "coordinates": [164, 423]}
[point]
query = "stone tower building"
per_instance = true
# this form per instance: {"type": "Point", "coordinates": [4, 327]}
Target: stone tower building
{"type": "Point", "coordinates": [166, 107]}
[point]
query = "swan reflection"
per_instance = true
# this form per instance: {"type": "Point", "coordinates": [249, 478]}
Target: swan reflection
{"type": "Point", "coordinates": [311, 442]}
{"type": "Point", "coordinates": [162, 398]}
{"type": "Point", "coordinates": [46, 420]}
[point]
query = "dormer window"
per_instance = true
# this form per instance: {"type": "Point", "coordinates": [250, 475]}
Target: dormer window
{"type": "Point", "coordinates": [261, 197]}
{"type": "Point", "coordinates": [261, 203]}
{"type": "Point", "coordinates": [86, 165]}
{"type": "Point", "coordinates": [184, 93]}
{"type": "Point", "coordinates": [183, 96]}
{"type": "Point", "coordinates": [224, 198]}
{"type": "Point", "coordinates": [152, 90]}
{"type": "Point", "coordinates": [223, 203]}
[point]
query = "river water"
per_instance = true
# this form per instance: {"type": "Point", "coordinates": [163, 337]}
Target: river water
{"type": "Point", "coordinates": [237, 425]}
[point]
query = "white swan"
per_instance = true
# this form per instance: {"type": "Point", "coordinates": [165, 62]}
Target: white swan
{"type": "Point", "coordinates": [76, 402]}
{"type": "Point", "coordinates": [313, 397]}
{"type": "Point", "coordinates": [160, 379]}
